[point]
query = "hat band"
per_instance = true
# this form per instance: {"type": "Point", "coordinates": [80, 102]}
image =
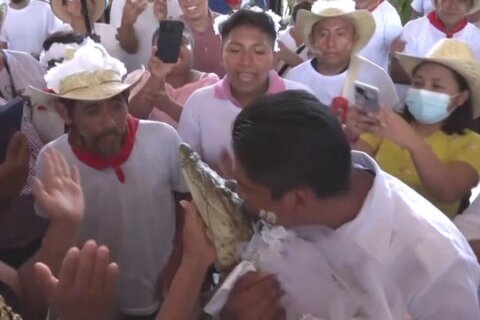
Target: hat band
{"type": "Point", "coordinates": [88, 79]}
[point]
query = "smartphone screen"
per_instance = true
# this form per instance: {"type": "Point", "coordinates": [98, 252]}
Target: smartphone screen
{"type": "Point", "coordinates": [366, 97]}
{"type": "Point", "coordinates": [11, 116]}
{"type": "Point", "coordinates": [169, 40]}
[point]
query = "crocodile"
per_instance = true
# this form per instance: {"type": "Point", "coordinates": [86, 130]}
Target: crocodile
{"type": "Point", "coordinates": [220, 207]}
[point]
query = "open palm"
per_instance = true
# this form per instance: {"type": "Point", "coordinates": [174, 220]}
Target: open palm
{"type": "Point", "coordinates": [60, 194]}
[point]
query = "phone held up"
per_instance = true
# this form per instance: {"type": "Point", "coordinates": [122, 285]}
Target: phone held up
{"type": "Point", "coordinates": [169, 40]}
{"type": "Point", "coordinates": [366, 97]}
{"type": "Point", "coordinates": [11, 116]}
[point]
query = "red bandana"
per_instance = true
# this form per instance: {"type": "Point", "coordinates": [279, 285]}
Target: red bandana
{"type": "Point", "coordinates": [100, 163]}
{"type": "Point", "coordinates": [437, 23]}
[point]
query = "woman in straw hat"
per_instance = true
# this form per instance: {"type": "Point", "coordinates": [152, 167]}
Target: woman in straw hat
{"type": "Point", "coordinates": [429, 146]}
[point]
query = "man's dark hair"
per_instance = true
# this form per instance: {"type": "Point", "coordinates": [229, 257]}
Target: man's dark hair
{"type": "Point", "coordinates": [302, 5]}
{"type": "Point", "coordinates": [461, 118]}
{"type": "Point", "coordinates": [245, 17]}
{"type": "Point", "coordinates": [290, 140]}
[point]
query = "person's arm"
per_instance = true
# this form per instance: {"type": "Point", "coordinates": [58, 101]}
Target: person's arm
{"type": "Point", "coordinates": [396, 71]}
{"type": "Point", "coordinates": [14, 170]}
{"type": "Point", "coordinates": [61, 197]}
{"type": "Point", "coordinates": [127, 37]}
{"type": "Point", "coordinates": [288, 56]}
{"type": "Point", "coordinates": [446, 182]}
{"type": "Point", "coordinates": [197, 256]}
{"type": "Point", "coordinates": [453, 293]}
{"type": "Point", "coordinates": [153, 92]}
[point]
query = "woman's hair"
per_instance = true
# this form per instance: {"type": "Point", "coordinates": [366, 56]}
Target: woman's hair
{"type": "Point", "coordinates": [461, 118]}
{"type": "Point", "coordinates": [64, 37]}
{"type": "Point", "coordinates": [245, 17]}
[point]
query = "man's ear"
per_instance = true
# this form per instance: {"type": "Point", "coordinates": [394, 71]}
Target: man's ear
{"type": "Point", "coordinates": [63, 112]}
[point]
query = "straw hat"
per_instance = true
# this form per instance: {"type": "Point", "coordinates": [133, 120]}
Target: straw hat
{"type": "Point", "coordinates": [362, 20]}
{"type": "Point", "coordinates": [475, 6]}
{"type": "Point", "coordinates": [87, 74]}
{"type": "Point", "coordinates": [453, 54]}
{"type": "Point", "coordinates": [61, 10]}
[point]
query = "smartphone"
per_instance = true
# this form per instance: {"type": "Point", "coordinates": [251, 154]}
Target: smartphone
{"type": "Point", "coordinates": [366, 97]}
{"type": "Point", "coordinates": [11, 115]}
{"type": "Point", "coordinates": [169, 40]}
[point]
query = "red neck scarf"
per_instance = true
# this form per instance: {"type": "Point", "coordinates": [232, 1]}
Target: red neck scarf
{"type": "Point", "coordinates": [437, 23]}
{"type": "Point", "coordinates": [100, 163]}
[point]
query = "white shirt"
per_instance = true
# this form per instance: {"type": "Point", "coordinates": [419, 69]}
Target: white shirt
{"type": "Point", "coordinates": [208, 115]}
{"type": "Point", "coordinates": [145, 27]}
{"type": "Point", "coordinates": [400, 258]}
{"type": "Point", "coordinates": [420, 36]}
{"type": "Point", "coordinates": [25, 29]}
{"type": "Point", "coordinates": [134, 219]}
{"type": "Point", "coordinates": [326, 88]}
{"type": "Point", "coordinates": [388, 27]}
{"type": "Point", "coordinates": [469, 221]}
{"type": "Point", "coordinates": [423, 6]}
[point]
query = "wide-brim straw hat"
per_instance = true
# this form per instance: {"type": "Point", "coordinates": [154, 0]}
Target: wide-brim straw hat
{"type": "Point", "coordinates": [455, 55]}
{"type": "Point", "coordinates": [61, 10]}
{"type": "Point", "coordinates": [475, 6]}
{"type": "Point", "coordinates": [87, 74]}
{"type": "Point", "coordinates": [362, 20]}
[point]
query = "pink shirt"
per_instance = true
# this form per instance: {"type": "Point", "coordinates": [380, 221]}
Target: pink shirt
{"type": "Point", "coordinates": [207, 50]}
{"type": "Point", "coordinates": [179, 95]}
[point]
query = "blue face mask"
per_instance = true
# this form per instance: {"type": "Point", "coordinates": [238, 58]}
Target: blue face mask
{"type": "Point", "coordinates": [428, 107]}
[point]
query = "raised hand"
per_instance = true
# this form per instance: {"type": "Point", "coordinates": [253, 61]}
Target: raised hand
{"type": "Point", "coordinates": [85, 286]}
{"type": "Point", "coordinates": [132, 9]}
{"type": "Point", "coordinates": [14, 170]}
{"type": "Point", "coordinates": [60, 194]}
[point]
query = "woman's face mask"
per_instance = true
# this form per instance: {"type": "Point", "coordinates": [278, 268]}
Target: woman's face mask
{"type": "Point", "coordinates": [428, 107]}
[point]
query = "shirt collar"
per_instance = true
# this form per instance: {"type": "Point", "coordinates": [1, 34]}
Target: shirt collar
{"type": "Point", "coordinates": [371, 230]}
{"type": "Point", "coordinates": [223, 91]}
{"type": "Point", "coordinates": [437, 23]}
{"type": "Point", "coordinates": [100, 163]}
{"type": "Point", "coordinates": [373, 9]}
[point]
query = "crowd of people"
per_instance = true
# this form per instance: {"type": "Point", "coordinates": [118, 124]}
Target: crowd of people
{"type": "Point", "coordinates": [96, 218]}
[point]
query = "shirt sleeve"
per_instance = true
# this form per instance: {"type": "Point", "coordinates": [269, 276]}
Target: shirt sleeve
{"type": "Point", "coordinates": [54, 24]}
{"type": "Point", "coordinates": [116, 13]}
{"type": "Point", "coordinates": [189, 128]}
{"type": "Point", "coordinates": [452, 295]}
{"type": "Point", "coordinates": [467, 150]}
{"type": "Point", "coordinates": [469, 221]}
{"type": "Point", "coordinates": [372, 140]}
{"type": "Point", "coordinates": [392, 27]}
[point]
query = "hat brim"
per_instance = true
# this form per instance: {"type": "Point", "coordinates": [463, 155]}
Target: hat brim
{"type": "Point", "coordinates": [470, 71]}
{"type": "Point", "coordinates": [61, 11]}
{"type": "Point", "coordinates": [362, 20]}
{"type": "Point", "coordinates": [100, 92]}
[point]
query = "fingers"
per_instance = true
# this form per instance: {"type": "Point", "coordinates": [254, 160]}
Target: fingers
{"type": "Point", "coordinates": [110, 281]}
{"type": "Point", "coordinates": [68, 269]}
{"type": "Point", "coordinates": [85, 268]}
{"type": "Point", "coordinates": [102, 260]}
{"type": "Point", "coordinates": [45, 280]}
